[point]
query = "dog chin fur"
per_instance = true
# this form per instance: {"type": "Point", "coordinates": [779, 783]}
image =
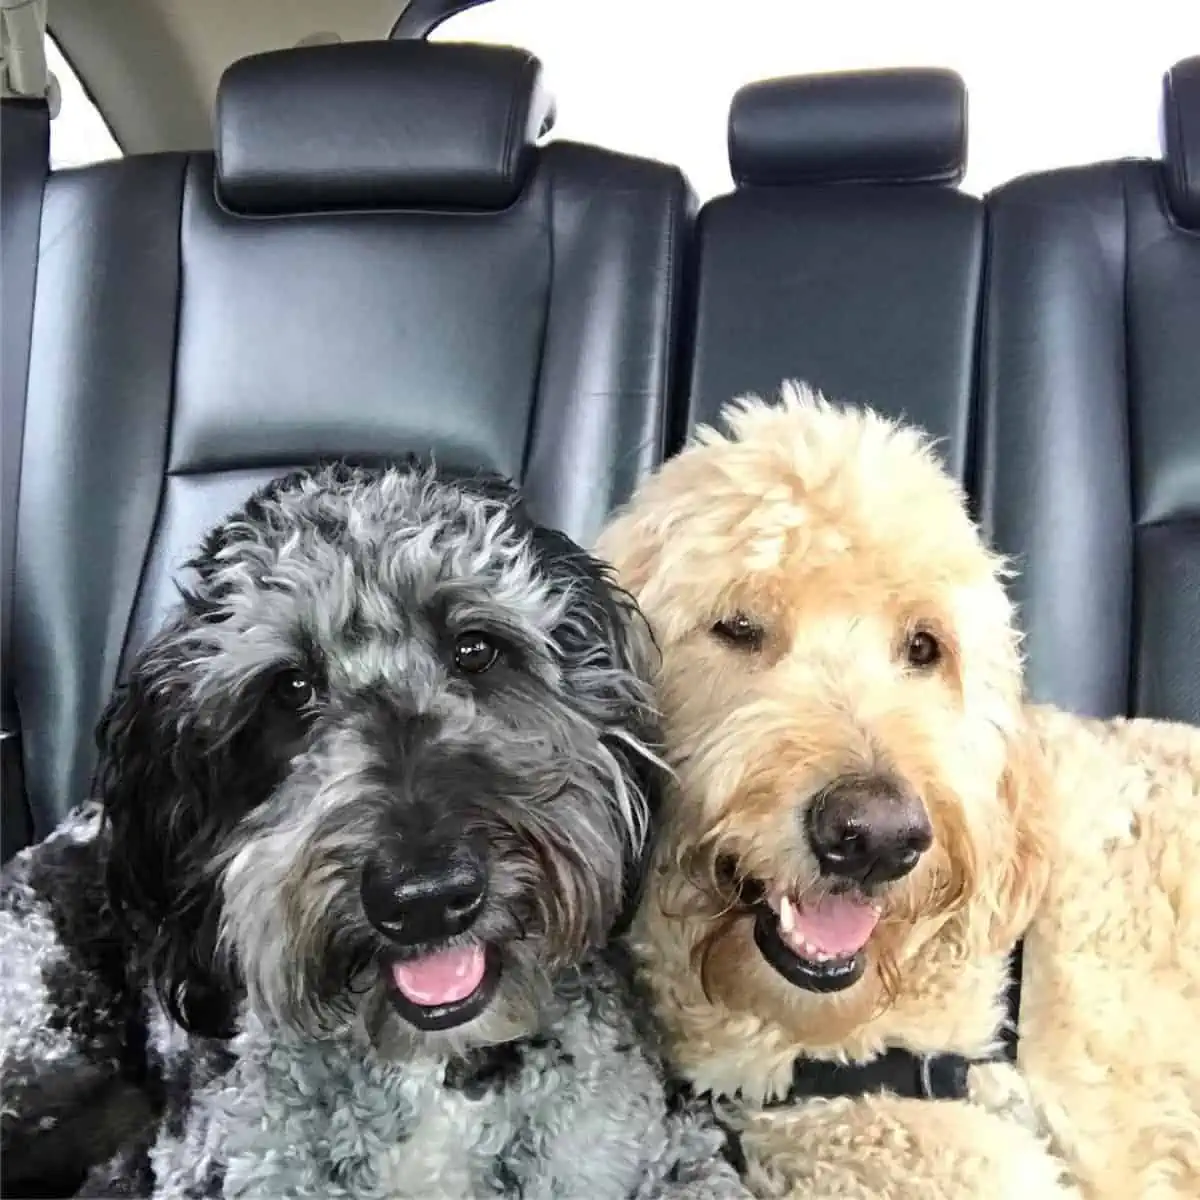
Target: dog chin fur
{"type": "Point", "coordinates": [195, 953]}
{"type": "Point", "coordinates": [837, 534]}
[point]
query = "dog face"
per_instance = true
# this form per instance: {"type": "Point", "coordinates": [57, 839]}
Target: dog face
{"type": "Point", "coordinates": [385, 763]}
{"type": "Point", "coordinates": [840, 688]}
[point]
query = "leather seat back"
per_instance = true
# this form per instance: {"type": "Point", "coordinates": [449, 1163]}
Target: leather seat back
{"type": "Point", "coordinates": [1091, 433]}
{"type": "Point", "coordinates": [24, 164]}
{"type": "Point", "coordinates": [378, 260]}
{"type": "Point", "coordinates": [844, 257]}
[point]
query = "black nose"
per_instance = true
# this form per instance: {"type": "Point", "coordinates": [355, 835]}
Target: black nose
{"type": "Point", "coordinates": [868, 830]}
{"type": "Point", "coordinates": [424, 894]}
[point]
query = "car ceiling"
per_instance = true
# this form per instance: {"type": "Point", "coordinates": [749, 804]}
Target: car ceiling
{"type": "Point", "coordinates": [152, 66]}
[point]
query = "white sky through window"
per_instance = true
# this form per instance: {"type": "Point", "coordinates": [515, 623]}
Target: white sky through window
{"type": "Point", "coordinates": [1051, 82]}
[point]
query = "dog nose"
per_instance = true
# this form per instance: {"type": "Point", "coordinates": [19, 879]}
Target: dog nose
{"type": "Point", "coordinates": [425, 896]}
{"type": "Point", "coordinates": [868, 830]}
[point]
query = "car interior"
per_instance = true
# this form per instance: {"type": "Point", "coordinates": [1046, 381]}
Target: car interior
{"type": "Point", "coordinates": [368, 243]}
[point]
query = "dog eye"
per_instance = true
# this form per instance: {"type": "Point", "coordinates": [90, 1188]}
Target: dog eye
{"type": "Point", "coordinates": [739, 630]}
{"type": "Point", "coordinates": [293, 690]}
{"type": "Point", "coordinates": [923, 651]}
{"type": "Point", "coordinates": [475, 653]}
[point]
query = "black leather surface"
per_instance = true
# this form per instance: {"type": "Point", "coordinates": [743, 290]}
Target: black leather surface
{"type": "Point", "coordinates": [378, 125]}
{"type": "Point", "coordinates": [1091, 443]}
{"type": "Point", "coordinates": [182, 355]}
{"type": "Point", "coordinates": [1181, 140]}
{"type": "Point", "coordinates": [24, 164]}
{"type": "Point", "coordinates": [607, 366]}
{"type": "Point", "coordinates": [869, 293]}
{"type": "Point", "coordinates": [1054, 453]}
{"type": "Point", "coordinates": [1166, 676]}
{"type": "Point", "coordinates": [101, 377]}
{"type": "Point", "coordinates": [901, 126]}
{"type": "Point", "coordinates": [25, 150]}
{"type": "Point", "coordinates": [428, 324]}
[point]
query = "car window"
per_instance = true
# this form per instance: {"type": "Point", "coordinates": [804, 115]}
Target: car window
{"type": "Point", "coordinates": [78, 133]}
{"type": "Point", "coordinates": [1051, 84]}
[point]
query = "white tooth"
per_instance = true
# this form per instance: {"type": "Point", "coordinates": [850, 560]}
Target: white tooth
{"type": "Point", "coordinates": [787, 915]}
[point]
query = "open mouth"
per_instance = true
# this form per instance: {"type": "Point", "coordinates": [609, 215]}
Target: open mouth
{"type": "Point", "coordinates": [817, 941]}
{"type": "Point", "coordinates": [445, 989]}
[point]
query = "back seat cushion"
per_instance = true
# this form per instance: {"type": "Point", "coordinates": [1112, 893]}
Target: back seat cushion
{"type": "Point", "coordinates": [836, 261]}
{"type": "Point", "coordinates": [1091, 440]}
{"type": "Point", "coordinates": [184, 353]}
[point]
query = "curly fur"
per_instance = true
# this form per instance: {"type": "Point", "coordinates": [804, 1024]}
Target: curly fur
{"type": "Point", "coordinates": [195, 1000]}
{"type": "Point", "coordinates": [839, 534]}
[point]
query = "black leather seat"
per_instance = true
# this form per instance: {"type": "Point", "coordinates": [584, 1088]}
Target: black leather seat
{"type": "Point", "coordinates": [1090, 450]}
{"type": "Point", "coordinates": [378, 260]}
{"type": "Point", "coordinates": [845, 257]}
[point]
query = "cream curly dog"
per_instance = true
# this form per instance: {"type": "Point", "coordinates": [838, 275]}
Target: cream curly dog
{"type": "Point", "coordinates": [869, 819]}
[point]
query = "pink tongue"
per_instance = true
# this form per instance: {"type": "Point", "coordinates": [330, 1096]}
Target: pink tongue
{"type": "Point", "coordinates": [442, 978]}
{"type": "Point", "coordinates": [836, 925]}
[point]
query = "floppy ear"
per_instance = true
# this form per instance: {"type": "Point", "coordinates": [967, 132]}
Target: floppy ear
{"type": "Point", "coordinates": [1022, 871]}
{"type": "Point", "coordinates": [170, 790]}
{"type": "Point", "coordinates": [610, 659]}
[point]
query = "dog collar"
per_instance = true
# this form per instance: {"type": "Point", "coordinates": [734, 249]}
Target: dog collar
{"type": "Point", "coordinates": [901, 1072]}
{"type": "Point", "coordinates": [897, 1072]}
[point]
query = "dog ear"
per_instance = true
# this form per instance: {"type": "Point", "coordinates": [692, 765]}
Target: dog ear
{"type": "Point", "coordinates": [637, 655]}
{"type": "Point", "coordinates": [166, 782]}
{"type": "Point", "coordinates": [611, 659]}
{"type": "Point", "coordinates": [1022, 870]}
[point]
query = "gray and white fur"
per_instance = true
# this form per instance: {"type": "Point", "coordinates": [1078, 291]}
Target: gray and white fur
{"type": "Point", "coordinates": [380, 687]}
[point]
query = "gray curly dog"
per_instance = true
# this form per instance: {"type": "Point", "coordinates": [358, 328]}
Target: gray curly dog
{"type": "Point", "coordinates": [339, 921]}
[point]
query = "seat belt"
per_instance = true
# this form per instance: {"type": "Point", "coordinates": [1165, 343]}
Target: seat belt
{"type": "Point", "coordinates": [24, 165]}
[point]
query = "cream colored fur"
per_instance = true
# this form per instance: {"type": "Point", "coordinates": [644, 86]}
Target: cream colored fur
{"type": "Point", "coordinates": [840, 534]}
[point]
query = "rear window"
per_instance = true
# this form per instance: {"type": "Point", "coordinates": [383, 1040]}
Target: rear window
{"type": "Point", "coordinates": [1051, 84]}
{"type": "Point", "coordinates": [78, 133]}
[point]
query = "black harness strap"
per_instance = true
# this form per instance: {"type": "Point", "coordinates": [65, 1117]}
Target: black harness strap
{"type": "Point", "coordinates": [1010, 1033]}
{"type": "Point", "coordinates": [895, 1072]}
{"type": "Point", "coordinates": [898, 1072]}
{"type": "Point", "coordinates": [901, 1072]}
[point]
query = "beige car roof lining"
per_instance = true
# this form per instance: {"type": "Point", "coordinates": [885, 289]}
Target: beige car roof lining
{"type": "Point", "coordinates": [152, 66]}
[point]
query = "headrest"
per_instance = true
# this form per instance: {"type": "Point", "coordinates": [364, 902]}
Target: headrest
{"type": "Point", "coordinates": [887, 126]}
{"type": "Point", "coordinates": [378, 125]}
{"type": "Point", "coordinates": [1181, 140]}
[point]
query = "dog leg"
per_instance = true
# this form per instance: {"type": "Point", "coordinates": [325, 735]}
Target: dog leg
{"type": "Point", "coordinates": [700, 1157]}
{"type": "Point", "coordinates": [73, 1089]}
{"type": "Point", "coordinates": [889, 1149]}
